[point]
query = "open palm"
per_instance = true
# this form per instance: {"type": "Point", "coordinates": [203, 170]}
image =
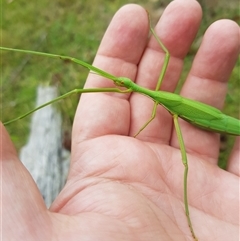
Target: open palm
{"type": "Point", "coordinates": [125, 188]}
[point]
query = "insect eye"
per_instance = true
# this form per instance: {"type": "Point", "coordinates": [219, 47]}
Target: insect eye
{"type": "Point", "coordinates": [119, 83]}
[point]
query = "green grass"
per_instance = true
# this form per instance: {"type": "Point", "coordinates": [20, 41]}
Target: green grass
{"type": "Point", "coordinates": [73, 28]}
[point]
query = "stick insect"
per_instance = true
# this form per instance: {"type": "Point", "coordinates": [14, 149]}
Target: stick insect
{"type": "Point", "coordinates": [179, 107]}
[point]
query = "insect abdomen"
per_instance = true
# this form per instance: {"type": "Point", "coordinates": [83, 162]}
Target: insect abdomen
{"type": "Point", "coordinates": [199, 114]}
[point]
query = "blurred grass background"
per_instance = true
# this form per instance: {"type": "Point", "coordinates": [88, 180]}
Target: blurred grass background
{"type": "Point", "coordinates": [75, 28]}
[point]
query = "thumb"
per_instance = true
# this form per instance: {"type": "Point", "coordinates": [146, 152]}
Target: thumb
{"type": "Point", "coordinates": [20, 196]}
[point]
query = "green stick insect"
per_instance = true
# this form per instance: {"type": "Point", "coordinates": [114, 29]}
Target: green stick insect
{"type": "Point", "coordinates": [194, 112]}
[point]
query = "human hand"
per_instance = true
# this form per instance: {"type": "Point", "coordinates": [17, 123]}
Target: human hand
{"type": "Point", "coordinates": [125, 188]}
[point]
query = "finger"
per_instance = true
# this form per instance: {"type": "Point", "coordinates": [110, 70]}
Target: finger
{"type": "Point", "coordinates": [234, 161]}
{"type": "Point", "coordinates": [119, 53]}
{"type": "Point", "coordinates": [207, 82]}
{"type": "Point", "coordinates": [177, 33]}
{"type": "Point", "coordinates": [21, 198]}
